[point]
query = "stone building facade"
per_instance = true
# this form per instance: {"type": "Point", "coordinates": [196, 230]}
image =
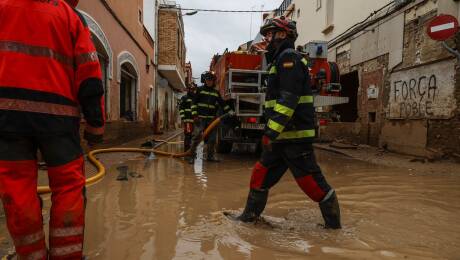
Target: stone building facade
{"type": "Point", "coordinates": [403, 87]}
{"type": "Point", "coordinates": [406, 84]}
{"type": "Point", "coordinates": [171, 65]}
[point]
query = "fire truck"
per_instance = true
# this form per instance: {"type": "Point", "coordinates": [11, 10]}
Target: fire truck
{"type": "Point", "coordinates": [242, 81]}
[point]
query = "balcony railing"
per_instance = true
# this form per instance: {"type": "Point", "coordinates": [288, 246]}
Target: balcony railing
{"type": "Point", "coordinates": [283, 7]}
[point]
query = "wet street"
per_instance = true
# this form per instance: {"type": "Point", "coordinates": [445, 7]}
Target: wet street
{"type": "Point", "coordinates": [166, 211]}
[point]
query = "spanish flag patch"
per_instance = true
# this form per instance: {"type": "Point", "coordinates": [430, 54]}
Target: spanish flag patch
{"type": "Point", "coordinates": [288, 65]}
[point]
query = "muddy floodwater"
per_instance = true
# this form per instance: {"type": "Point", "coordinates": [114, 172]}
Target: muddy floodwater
{"type": "Point", "coordinates": [166, 211]}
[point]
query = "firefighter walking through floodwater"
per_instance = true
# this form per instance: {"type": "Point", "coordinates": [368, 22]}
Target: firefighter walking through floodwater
{"type": "Point", "coordinates": [290, 129]}
{"type": "Point", "coordinates": [49, 75]}
{"type": "Point", "coordinates": [206, 104]}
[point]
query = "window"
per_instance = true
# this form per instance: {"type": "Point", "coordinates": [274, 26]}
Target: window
{"type": "Point", "coordinates": [329, 12]}
{"type": "Point", "coordinates": [141, 17]}
{"type": "Point", "coordinates": [318, 4]}
{"type": "Point", "coordinates": [329, 17]}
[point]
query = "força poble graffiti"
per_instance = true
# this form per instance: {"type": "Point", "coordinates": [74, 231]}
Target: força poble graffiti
{"type": "Point", "coordinates": [423, 92]}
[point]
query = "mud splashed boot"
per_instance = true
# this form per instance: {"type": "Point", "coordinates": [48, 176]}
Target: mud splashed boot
{"type": "Point", "coordinates": [257, 200]}
{"type": "Point", "coordinates": [331, 211]}
{"type": "Point", "coordinates": [212, 154]}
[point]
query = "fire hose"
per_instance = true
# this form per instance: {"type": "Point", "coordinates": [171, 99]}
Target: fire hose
{"type": "Point", "coordinates": [102, 171]}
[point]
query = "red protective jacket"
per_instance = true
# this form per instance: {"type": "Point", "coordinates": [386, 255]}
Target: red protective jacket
{"type": "Point", "coordinates": [49, 70]}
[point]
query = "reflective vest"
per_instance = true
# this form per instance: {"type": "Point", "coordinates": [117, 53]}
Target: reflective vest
{"type": "Point", "coordinates": [289, 110]}
{"type": "Point", "coordinates": [185, 108]}
{"type": "Point", "coordinates": [206, 103]}
{"type": "Point", "coordinates": [49, 69]}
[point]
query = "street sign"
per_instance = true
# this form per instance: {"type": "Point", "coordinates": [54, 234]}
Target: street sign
{"type": "Point", "coordinates": [443, 27]}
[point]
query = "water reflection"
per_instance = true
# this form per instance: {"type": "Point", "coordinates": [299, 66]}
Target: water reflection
{"type": "Point", "coordinates": [172, 213]}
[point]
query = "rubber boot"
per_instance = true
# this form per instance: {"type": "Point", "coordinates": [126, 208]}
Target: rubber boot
{"type": "Point", "coordinates": [211, 154]}
{"type": "Point", "coordinates": [257, 199]}
{"type": "Point", "coordinates": [331, 211]}
{"type": "Point", "coordinates": [191, 159]}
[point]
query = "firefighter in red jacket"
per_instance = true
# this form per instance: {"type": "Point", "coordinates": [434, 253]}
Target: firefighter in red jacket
{"type": "Point", "coordinates": [49, 76]}
{"type": "Point", "coordinates": [290, 129]}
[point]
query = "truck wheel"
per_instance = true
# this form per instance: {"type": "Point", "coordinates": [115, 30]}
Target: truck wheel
{"type": "Point", "coordinates": [224, 147]}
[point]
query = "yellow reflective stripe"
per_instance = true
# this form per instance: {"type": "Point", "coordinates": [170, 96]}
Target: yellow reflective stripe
{"type": "Point", "coordinates": [296, 134]}
{"type": "Point", "coordinates": [226, 107]}
{"type": "Point", "coordinates": [305, 61]}
{"type": "Point", "coordinates": [189, 100]}
{"type": "Point", "coordinates": [29, 239]}
{"type": "Point", "coordinates": [284, 110]}
{"type": "Point", "coordinates": [194, 113]}
{"type": "Point", "coordinates": [206, 116]}
{"type": "Point", "coordinates": [275, 126]}
{"type": "Point", "coordinates": [306, 100]}
{"type": "Point", "coordinates": [209, 93]}
{"type": "Point", "coordinates": [194, 106]}
{"type": "Point", "coordinates": [206, 105]}
{"type": "Point", "coordinates": [270, 104]}
{"type": "Point", "coordinates": [86, 58]}
{"type": "Point", "coordinates": [273, 70]}
{"type": "Point", "coordinates": [302, 100]}
{"type": "Point", "coordinates": [36, 51]}
{"type": "Point", "coordinates": [66, 250]}
{"type": "Point", "coordinates": [66, 232]}
{"type": "Point", "coordinates": [188, 110]}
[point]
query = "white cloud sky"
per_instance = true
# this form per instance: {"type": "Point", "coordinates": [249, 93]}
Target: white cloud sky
{"type": "Point", "coordinates": [209, 33]}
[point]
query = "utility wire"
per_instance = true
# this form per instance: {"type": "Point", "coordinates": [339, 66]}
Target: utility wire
{"type": "Point", "coordinates": [364, 23]}
{"type": "Point", "coordinates": [218, 11]}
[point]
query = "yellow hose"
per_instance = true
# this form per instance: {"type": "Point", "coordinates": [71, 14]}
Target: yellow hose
{"type": "Point", "coordinates": [101, 169]}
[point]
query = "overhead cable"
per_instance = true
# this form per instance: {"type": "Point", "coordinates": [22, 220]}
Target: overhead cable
{"type": "Point", "coordinates": [217, 10]}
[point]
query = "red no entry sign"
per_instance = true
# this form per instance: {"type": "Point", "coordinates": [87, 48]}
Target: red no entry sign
{"type": "Point", "coordinates": [443, 27]}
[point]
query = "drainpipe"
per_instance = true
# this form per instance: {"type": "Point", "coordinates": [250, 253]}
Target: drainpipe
{"type": "Point", "coordinates": [451, 50]}
{"type": "Point", "coordinates": [156, 114]}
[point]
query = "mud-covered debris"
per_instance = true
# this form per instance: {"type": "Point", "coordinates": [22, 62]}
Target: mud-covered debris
{"type": "Point", "coordinates": [123, 173]}
{"type": "Point", "coordinates": [343, 146]}
{"type": "Point", "coordinates": [135, 175]}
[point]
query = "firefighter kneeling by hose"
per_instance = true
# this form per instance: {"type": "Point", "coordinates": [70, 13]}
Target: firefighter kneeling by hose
{"type": "Point", "coordinates": [290, 129]}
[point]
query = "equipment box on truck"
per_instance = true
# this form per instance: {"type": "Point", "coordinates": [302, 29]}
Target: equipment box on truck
{"type": "Point", "coordinates": [242, 84]}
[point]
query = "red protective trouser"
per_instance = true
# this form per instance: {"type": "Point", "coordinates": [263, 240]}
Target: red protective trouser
{"type": "Point", "coordinates": [18, 191]}
{"type": "Point", "coordinates": [300, 159]}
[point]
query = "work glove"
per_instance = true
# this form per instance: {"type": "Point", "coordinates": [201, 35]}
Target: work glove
{"type": "Point", "coordinates": [266, 143]}
{"type": "Point", "coordinates": [92, 139]}
{"type": "Point", "coordinates": [231, 113]}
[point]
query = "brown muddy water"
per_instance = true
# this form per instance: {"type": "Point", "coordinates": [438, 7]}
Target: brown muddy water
{"type": "Point", "coordinates": [166, 211]}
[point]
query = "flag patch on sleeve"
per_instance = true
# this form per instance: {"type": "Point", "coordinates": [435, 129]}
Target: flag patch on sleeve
{"type": "Point", "coordinates": [288, 65]}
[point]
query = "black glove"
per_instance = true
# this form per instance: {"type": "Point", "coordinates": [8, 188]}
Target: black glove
{"type": "Point", "coordinates": [92, 139]}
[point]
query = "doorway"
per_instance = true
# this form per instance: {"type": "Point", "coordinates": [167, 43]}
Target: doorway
{"type": "Point", "coordinates": [128, 90]}
{"type": "Point", "coordinates": [350, 85]}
